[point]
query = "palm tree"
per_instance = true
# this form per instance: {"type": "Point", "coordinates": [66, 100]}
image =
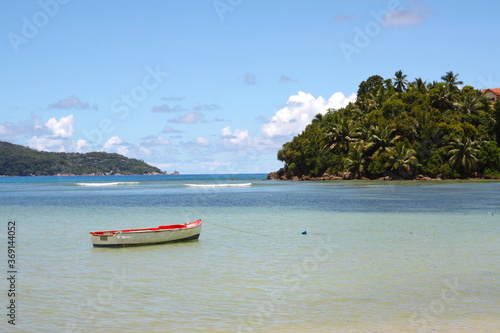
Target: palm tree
{"type": "Point", "coordinates": [441, 97]}
{"type": "Point", "coordinates": [364, 128]}
{"type": "Point", "coordinates": [468, 103]}
{"type": "Point", "coordinates": [402, 160]}
{"type": "Point", "coordinates": [343, 132]}
{"type": "Point", "coordinates": [463, 155]}
{"type": "Point", "coordinates": [376, 98]}
{"type": "Point", "coordinates": [431, 85]}
{"type": "Point", "coordinates": [355, 162]}
{"type": "Point", "coordinates": [420, 85]}
{"type": "Point", "coordinates": [381, 140]}
{"type": "Point", "coordinates": [451, 79]}
{"type": "Point", "coordinates": [400, 81]}
{"type": "Point", "coordinates": [318, 118]}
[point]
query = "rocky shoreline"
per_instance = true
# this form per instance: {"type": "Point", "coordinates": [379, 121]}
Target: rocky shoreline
{"type": "Point", "coordinates": [281, 175]}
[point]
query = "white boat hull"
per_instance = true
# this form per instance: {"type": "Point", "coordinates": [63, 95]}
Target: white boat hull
{"type": "Point", "coordinates": [147, 236]}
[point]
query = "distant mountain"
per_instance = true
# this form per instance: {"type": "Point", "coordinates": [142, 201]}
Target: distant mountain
{"type": "Point", "coordinates": [16, 160]}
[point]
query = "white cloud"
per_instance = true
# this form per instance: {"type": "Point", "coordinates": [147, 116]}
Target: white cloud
{"type": "Point", "coordinates": [123, 150]}
{"type": "Point", "coordinates": [62, 128]}
{"type": "Point", "coordinates": [240, 139]}
{"type": "Point", "coordinates": [145, 151]}
{"type": "Point", "coordinates": [299, 111]}
{"type": "Point", "coordinates": [155, 140]}
{"type": "Point", "coordinates": [56, 135]}
{"type": "Point", "coordinates": [81, 145]}
{"type": "Point", "coordinates": [202, 141]}
{"type": "Point", "coordinates": [46, 143]}
{"type": "Point", "coordinates": [112, 142]}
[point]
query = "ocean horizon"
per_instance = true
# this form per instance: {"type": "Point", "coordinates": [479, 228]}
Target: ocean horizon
{"type": "Point", "coordinates": [377, 256]}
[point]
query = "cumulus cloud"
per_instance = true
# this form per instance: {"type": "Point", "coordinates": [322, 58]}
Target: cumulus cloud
{"type": "Point", "coordinates": [189, 118]}
{"type": "Point", "coordinates": [71, 102]}
{"type": "Point", "coordinates": [46, 143]}
{"type": "Point", "coordinates": [291, 120]}
{"type": "Point", "coordinates": [81, 145]}
{"type": "Point", "coordinates": [237, 138]}
{"type": "Point", "coordinates": [112, 143]}
{"type": "Point", "coordinates": [62, 128]}
{"type": "Point", "coordinates": [240, 140]}
{"type": "Point", "coordinates": [54, 135]}
{"type": "Point", "coordinates": [299, 111]}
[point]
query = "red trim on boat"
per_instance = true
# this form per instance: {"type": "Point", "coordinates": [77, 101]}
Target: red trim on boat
{"type": "Point", "coordinates": [162, 227]}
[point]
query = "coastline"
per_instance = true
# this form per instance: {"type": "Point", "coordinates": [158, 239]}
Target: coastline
{"type": "Point", "coordinates": [99, 174]}
{"type": "Point", "coordinates": [348, 176]}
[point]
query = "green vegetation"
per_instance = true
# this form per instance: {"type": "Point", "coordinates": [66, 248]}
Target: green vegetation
{"type": "Point", "coordinates": [16, 160]}
{"type": "Point", "coordinates": [401, 130]}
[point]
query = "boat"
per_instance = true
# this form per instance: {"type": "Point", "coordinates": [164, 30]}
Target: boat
{"type": "Point", "coordinates": [147, 236]}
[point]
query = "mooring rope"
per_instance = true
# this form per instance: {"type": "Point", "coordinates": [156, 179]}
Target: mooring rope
{"type": "Point", "coordinates": [247, 232]}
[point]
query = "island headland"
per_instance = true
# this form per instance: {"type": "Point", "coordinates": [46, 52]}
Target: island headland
{"type": "Point", "coordinates": [401, 130]}
{"type": "Point", "coordinates": [17, 160]}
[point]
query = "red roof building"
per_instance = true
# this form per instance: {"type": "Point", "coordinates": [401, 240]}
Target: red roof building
{"type": "Point", "coordinates": [493, 94]}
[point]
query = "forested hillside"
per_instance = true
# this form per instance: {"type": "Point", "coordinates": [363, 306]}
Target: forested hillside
{"type": "Point", "coordinates": [401, 130]}
{"type": "Point", "coordinates": [16, 160]}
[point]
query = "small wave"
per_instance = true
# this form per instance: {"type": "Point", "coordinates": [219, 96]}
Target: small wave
{"type": "Point", "coordinates": [107, 184]}
{"type": "Point", "coordinates": [218, 185]}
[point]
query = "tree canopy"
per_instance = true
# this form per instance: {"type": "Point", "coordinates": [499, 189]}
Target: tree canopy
{"type": "Point", "coordinates": [402, 129]}
{"type": "Point", "coordinates": [16, 160]}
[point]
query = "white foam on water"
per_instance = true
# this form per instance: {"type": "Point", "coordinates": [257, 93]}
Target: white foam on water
{"type": "Point", "coordinates": [107, 184]}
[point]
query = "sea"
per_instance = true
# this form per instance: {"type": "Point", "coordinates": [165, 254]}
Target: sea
{"type": "Point", "coordinates": [273, 256]}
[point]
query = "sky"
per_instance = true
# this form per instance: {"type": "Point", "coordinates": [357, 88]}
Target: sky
{"type": "Point", "coordinates": [218, 86]}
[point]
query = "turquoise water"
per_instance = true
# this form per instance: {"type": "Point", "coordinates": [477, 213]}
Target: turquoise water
{"type": "Point", "coordinates": [377, 257]}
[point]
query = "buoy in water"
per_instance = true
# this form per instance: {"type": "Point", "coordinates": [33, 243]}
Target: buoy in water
{"type": "Point", "coordinates": [304, 232]}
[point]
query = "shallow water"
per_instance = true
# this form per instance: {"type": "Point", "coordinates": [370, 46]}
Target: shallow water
{"type": "Point", "coordinates": [377, 257]}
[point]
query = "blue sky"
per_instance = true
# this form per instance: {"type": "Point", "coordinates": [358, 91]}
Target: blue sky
{"type": "Point", "coordinates": [217, 86]}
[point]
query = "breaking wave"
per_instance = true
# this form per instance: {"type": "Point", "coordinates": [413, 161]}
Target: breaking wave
{"type": "Point", "coordinates": [107, 184]}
